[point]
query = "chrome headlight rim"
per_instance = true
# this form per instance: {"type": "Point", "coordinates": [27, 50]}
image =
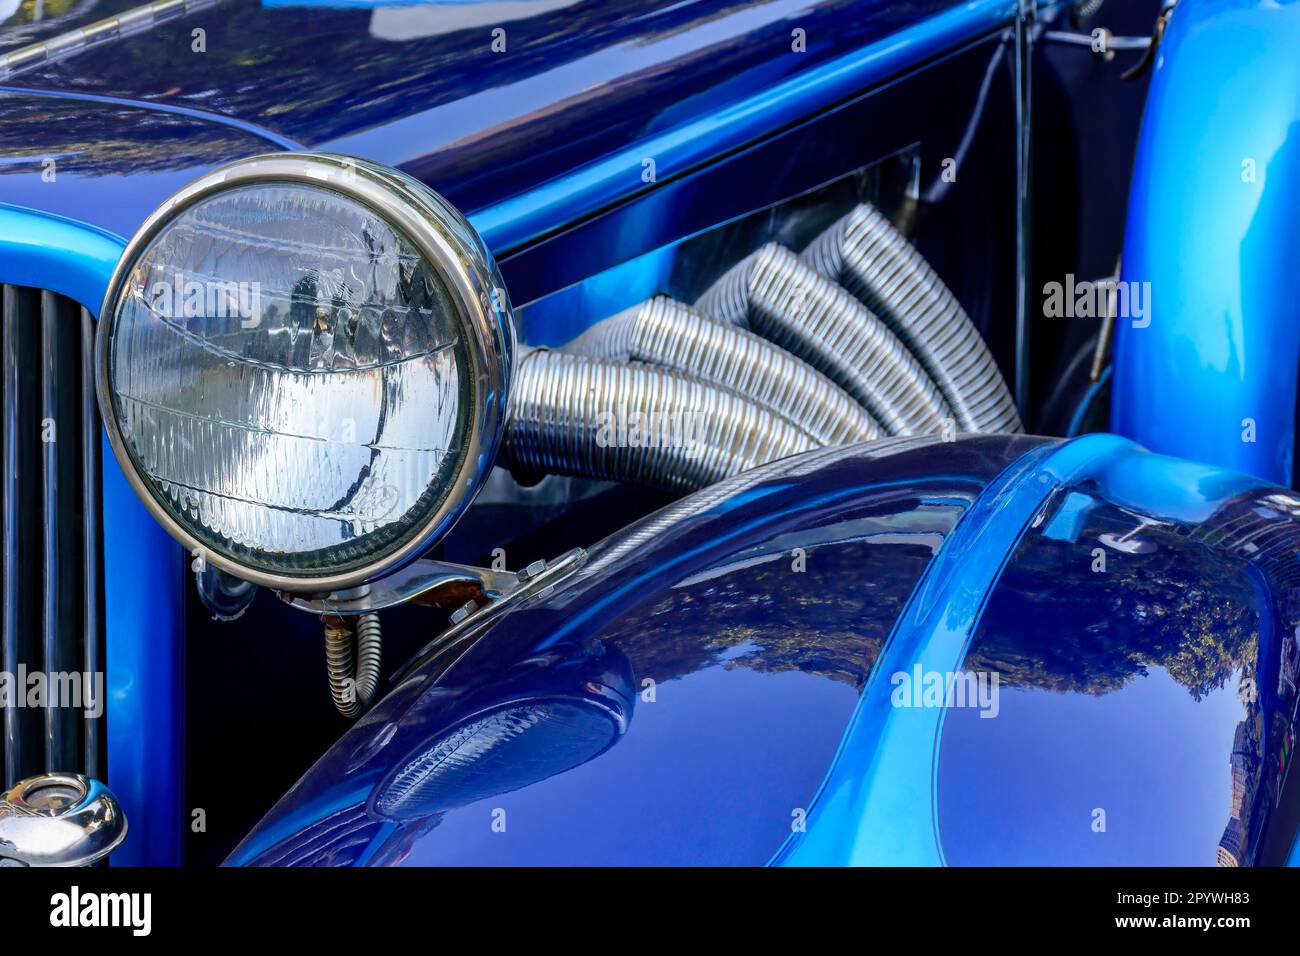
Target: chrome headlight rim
{"type": "Point", "coordinates": [448, 242]}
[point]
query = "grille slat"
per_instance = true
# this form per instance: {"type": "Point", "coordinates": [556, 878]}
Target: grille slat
{"type": "Point", "coordinates": [49, 512]}
{"type": "Point", "coordinates": [61, 447]}
{"type": "Point", "coordinates": [91, 554]}
{"type": "Point", "coordinates": [21, 510]}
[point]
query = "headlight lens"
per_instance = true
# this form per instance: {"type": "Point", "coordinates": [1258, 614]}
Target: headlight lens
{"type": "Point", "coordinates": [295, 380]}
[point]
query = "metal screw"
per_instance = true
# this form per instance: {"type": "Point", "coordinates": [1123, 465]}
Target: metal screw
{"type": "Point", "coordinates": [462, 612]}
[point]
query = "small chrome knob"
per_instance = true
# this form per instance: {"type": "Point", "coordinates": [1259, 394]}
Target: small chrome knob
{"type": "Point", "coordinates": [59, 819]}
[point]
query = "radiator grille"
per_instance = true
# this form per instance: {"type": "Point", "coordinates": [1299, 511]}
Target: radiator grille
{"type": "Point", "coordinates": [49, 515]}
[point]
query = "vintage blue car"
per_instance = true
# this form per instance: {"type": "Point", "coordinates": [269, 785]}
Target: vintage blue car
{"type": "Point", "coordinates": [603, 432]}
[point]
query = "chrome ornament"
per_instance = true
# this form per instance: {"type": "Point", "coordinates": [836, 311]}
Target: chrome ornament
{"type": "Point", "coordinates": [59, 819]}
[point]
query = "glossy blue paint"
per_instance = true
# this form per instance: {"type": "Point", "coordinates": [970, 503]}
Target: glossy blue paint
{"type": "Point", "coordinates": [539, 138]}
{"type": "Point", "coordinates": [45, 251]}
{"type": "Point", "coordinates": [1147, 710]}
{"type": "Point", "coordinates": [880, 803]}
{"type": "Point", "coordinates": [587, 189]}
{"type": "Point", "coordinates": [750, 726]}
{"type": "Point", "coordinates": [113, 163]}
{"type": "Point", "coordinates": [506, 201]}
{"type": "Point", "coordinates": [726, 704]}
{"type": "Point", "coordinates": [1212, 228]}
{"type": "Point", "coordinates": [728, 89]}
{"type": "Point", "coordinates": [117, 188]}
{"type": "Point", "coordinates": [142, 596]}
{"type": "Point", "coordinates": [687, 80]}
{"type": "Point", "coordinates": [872, 808]}
{"type": "Point", "coordinates": [207, 116]}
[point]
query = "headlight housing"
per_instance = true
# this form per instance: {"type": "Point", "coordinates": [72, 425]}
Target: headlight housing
{"type": "Point", "coordinates": [303, 364]}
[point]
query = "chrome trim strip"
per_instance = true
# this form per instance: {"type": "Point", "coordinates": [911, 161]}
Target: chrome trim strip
{"type": "Point", "coordinates": [135, 20]}
{"type": "Point", "coordinates": [173, 109]}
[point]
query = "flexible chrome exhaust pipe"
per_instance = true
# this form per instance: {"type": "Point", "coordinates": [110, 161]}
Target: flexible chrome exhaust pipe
{"type": "Point", "coordinates": [775, 358]}
{"type": "Point", "coordinates": [597, 418]}
{"type": "Point", "coordinates": [670, 334]}
{"type": "Point", "coordinates": [785, 301]}
{"type": "Point", "coordinates": [877, 265]}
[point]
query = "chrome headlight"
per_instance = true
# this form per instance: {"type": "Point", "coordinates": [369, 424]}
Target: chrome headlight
{"type": "Point", "coordinates": [303, 364]}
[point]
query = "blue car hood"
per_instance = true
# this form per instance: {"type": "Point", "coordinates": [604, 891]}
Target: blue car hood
{"type": "Point", "coordinates": [421, 85]}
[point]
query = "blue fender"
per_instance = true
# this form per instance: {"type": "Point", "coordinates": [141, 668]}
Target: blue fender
{"type": "Point", "coordinates": [1209, 372]}
{"type": "Point", "coordinates": [1128, 618]}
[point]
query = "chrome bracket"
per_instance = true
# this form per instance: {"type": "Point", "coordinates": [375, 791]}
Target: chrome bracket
{"type": "Point", "coordinates": [460, 589]}
{"type": "Point", "coordinates": [539, 579]}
